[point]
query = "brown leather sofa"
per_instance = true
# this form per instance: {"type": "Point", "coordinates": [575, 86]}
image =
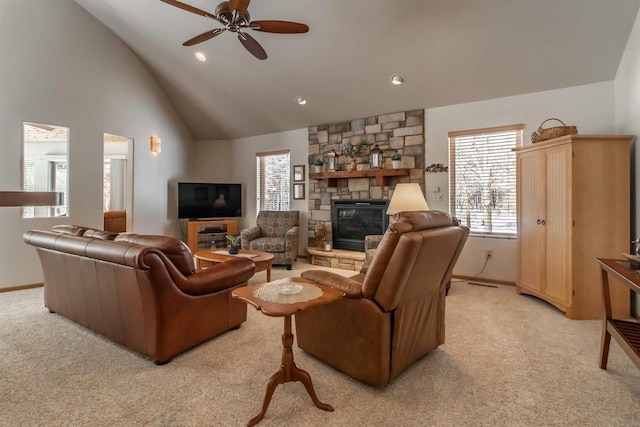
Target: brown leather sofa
{"type": "Point", "coordinates": [393, 312]}
{"type": "Point", "coordinates": [141, 291]}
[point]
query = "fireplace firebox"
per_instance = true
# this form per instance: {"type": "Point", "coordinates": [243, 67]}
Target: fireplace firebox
{"type": "Point", "coordinates": [351, 220]}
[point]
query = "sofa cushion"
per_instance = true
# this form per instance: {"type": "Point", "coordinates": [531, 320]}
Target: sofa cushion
{"type": "Point", "coordinates": [268, 244]}
{"type": "Point", "coordinates": [100, 234]}
{"type": "Point", "coordinates": [174, 249]}
{"type": "Point", "coordinates": [72, 230]}
{"type": "Point", "coordinates": [276, 223]}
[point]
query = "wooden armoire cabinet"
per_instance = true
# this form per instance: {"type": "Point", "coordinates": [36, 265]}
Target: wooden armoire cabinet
{"type": "Point", "coordinates": [573, 206]}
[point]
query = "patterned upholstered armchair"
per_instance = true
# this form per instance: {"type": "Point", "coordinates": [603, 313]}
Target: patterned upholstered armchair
{"type": "Point", "coordinates": [371, 243]}
{"type": "Point", "coordinates": [275, 232]}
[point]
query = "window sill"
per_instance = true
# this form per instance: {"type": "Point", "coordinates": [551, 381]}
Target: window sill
{"type": "Point", "coordinates": [493, 235]}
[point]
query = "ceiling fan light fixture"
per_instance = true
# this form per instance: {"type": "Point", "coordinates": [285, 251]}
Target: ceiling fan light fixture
{"type": "Point", "coordinates": [234, 16]}
{"type": "Point", "coordinates": [397, 79]}
{"type": "Point", "coordinates": [300, 100]}
{"type": "Point", "coordinates": [200, 57]}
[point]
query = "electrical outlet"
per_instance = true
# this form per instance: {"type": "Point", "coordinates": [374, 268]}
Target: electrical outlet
{"type": "Point", "coordinates": [488, 253]}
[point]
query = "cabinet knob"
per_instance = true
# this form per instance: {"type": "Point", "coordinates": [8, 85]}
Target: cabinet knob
{"type": "Point", "coordinates": [542, 222]}
{"type": "Point", "coordinates": [538, 221]}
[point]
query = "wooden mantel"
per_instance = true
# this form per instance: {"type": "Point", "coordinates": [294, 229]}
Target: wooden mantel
{"type": "Point", "coordinates": [381, 175]}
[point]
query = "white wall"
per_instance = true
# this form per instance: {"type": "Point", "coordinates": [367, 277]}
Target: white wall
{"type": "Point", "coordinates": [589, 107]}
{"type": "Point", "coordinates": [242, 168]}
{"type": "Point", "coordinates": [627, 113]}
{"type": "Point", "coordinates": [61, 66]}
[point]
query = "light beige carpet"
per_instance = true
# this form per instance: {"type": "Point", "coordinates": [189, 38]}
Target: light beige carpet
{"type": "Point", "coordinates": [508, 360]}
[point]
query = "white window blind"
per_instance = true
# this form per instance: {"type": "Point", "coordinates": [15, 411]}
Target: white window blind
{"type": "Point", "coordinates": [106, 185]}
{"type": "Point", "coordinates": [273, 181]}
{"type": "Point", "coordinates": [482, 179]}
{"type": "Point", "coordinates": [28, 184]}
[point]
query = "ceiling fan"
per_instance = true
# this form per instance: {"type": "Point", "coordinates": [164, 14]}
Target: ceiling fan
{"type": "Point", "coordinates": [234, 15]}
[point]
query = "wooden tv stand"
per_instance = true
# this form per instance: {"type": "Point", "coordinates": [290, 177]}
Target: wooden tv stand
{"type": "Point", "coordinates": [195, 227]}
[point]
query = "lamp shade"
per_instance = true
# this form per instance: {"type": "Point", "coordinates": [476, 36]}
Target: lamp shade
{"type": "Point", "coordinates": [407, 197]}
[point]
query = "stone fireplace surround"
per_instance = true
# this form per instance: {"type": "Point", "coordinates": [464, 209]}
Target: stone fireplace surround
{"type": "Point", "coordinates": [402, 131]}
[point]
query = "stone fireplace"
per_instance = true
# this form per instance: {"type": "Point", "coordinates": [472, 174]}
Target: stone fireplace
{"type": "Point", "coordinates": [401, 131]}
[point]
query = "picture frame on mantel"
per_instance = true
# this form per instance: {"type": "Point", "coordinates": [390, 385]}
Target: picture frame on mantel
{"type": "Point", "coordinates": [298, 191]}
{"type": "Point", "coordinates": [298, 173]}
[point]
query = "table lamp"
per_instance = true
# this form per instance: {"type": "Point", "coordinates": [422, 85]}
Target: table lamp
{"type": "Point", "coordinates": [407, 197]}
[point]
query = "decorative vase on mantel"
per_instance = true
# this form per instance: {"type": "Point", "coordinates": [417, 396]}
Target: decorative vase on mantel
{"type": "Point", "coordinates": [353, 165]}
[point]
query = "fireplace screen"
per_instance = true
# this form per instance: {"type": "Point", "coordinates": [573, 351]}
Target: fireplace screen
{"type": "Point", "coordinates": [351, 220]}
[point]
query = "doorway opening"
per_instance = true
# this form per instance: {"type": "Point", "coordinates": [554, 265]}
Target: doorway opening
{"type": "Point", "coordinates": [118, 183]}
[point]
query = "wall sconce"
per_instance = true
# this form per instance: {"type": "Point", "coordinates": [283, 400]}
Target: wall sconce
{"type": "Point", "coordinates": [156, 143]}
{"type": "Point", "coordinates": [332, 160]}
{"type": "Point", "coordinates": [375, 160]}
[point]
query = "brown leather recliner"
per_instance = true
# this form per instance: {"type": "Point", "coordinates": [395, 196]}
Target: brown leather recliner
{"type": "Point", "coordinates": [141, 291]}
{"type": "Point", "coordinates": [393, 312]}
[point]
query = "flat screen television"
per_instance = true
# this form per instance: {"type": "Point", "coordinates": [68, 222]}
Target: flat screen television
{"type": "Point", "coordinates": [209, 200]}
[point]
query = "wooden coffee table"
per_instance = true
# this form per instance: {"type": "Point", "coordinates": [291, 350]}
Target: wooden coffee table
{"type": "Point", "coordinates": [288, 372]}
{"type": "Point", "coordinates": [263, 260]}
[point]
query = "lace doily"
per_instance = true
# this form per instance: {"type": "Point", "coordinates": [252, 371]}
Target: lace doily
{"type": "Point", "coordinates": [273, 293]}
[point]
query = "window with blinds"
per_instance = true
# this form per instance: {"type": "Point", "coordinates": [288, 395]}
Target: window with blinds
{"type": "Point", "coordinates": [273, 181]}
{"type": "Point", "coordinates": [482, 179]}
{"type": "Point", "coordinates": [28, 184]}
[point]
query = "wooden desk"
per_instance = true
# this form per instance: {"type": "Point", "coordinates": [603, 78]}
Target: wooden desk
{"type": "Point", "coordinates": [288, 370]}
{"type": "Point", "coordinates": [626, 333]}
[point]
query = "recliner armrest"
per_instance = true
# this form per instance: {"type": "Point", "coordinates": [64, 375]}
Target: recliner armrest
{"type": "Point", "coordinates": [351, 288]}
{"type": "Point", "coordinates": [220, 276]}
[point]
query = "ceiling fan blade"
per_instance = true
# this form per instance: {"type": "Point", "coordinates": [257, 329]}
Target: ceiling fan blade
{"type": "Point", "coordinates": [204, 37]}
{"type": "Point", "coordinates": [282, 27]}
{"type": "Point", "coordinates": [188, 8]}
{"type": "Point", "coordinates": [239, 6]}
{"type": "Point", "coordinates": [252, 46]}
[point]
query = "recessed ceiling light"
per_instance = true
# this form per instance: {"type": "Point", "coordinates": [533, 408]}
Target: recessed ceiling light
{"type": "Point", "coordinates": [397, 79]}
{"type": "Point", "coordinates": [300, 100]}
{"type": "Point", "coordinates": [201, 56]}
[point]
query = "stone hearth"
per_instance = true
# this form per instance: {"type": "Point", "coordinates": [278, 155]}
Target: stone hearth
{"type": "Point", "coordinates": [337, 258]}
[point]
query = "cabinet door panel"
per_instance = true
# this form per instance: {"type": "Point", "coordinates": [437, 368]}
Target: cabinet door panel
{"type": "Point", "coordinates": [557, 283]}
{"type": "Point", "coordinates": [530, 233]}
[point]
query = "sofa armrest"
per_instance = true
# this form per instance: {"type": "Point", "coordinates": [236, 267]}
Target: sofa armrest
{"type": "Point", "coordinates": [351, 288]}
{"type": "Point", "coordinates": [291, 240]}
{"type": "Point", "coordinates": [248, 235]}
{"type": "Point", "coordinates": [220, 276]}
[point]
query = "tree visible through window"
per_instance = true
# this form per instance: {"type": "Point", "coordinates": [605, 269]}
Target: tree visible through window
{"type": "Point", "coordinates": [273, 181]}
{"type": "Point", "coordinates": [482, 179]}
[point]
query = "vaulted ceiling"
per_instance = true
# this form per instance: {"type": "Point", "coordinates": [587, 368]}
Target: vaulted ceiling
{"type": "Point", "coordinates": [449, 52]}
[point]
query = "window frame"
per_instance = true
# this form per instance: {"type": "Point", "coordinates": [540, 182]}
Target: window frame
{"type": "Point", "coordinates": [486, 133]}
{"type": "Point", "coordinates": [260, 178]}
